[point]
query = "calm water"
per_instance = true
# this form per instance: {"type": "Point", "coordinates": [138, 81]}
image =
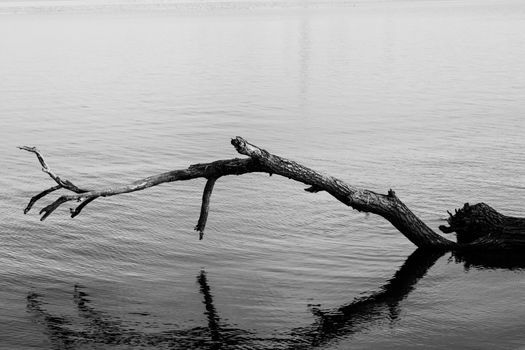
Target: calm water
{"type": "Point", "coordinates": [423, 97]}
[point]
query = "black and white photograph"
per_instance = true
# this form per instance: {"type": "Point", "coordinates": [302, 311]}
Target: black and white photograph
{"type": "Point", "coordinates": [262, 174]}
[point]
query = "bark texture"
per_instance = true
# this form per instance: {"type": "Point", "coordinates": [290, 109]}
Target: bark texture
{"type": "Point", "coordinates": [497, 231]}
{"type": "Point", "coordinates": [480, 225]}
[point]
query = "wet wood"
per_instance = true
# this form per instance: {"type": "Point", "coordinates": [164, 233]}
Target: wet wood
{"type": "Point", "coordinates": [477, 227]}
{"type": "Point", "coordinates": [481, 226]}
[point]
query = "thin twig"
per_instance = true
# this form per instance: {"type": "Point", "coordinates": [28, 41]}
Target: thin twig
{"type": "Point", "coordinates": [78, 209]}
{"type": "Point", "coordinates": [45, 168]}
{"type": "Point", "coordinates": [40, 195]}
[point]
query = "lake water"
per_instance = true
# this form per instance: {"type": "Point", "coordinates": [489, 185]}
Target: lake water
{"type": "Point", "coordinates": [424, 97]}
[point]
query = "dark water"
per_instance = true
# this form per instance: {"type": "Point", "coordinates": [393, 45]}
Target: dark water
{"type": "Point", "coordinates": [422, 97]}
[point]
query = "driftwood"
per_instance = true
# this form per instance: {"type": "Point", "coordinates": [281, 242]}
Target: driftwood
{"type": "Point", "coordinates": [478, 226]}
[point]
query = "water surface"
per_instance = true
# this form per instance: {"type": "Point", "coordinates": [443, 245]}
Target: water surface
{"type": "Point", "coordinates": [422, 97]}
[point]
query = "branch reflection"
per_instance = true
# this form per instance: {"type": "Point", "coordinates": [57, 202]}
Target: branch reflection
{"type": "Point", "coordinates": [100, 328]}
{"type": "Point", "coordinates": [361, 313]}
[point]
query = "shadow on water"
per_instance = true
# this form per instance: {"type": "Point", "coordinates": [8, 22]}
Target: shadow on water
{"type": "Point", "coordinates": [99, 328]}
{"type": "Point", "coordinates": [490, 260]}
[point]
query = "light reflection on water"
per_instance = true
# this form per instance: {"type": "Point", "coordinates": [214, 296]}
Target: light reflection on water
{"type": "Point", "coordinates": [422, 98]}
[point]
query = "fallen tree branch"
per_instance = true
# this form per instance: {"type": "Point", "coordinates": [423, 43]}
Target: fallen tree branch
{"type": "Point", "coordinates": [387, 205]}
